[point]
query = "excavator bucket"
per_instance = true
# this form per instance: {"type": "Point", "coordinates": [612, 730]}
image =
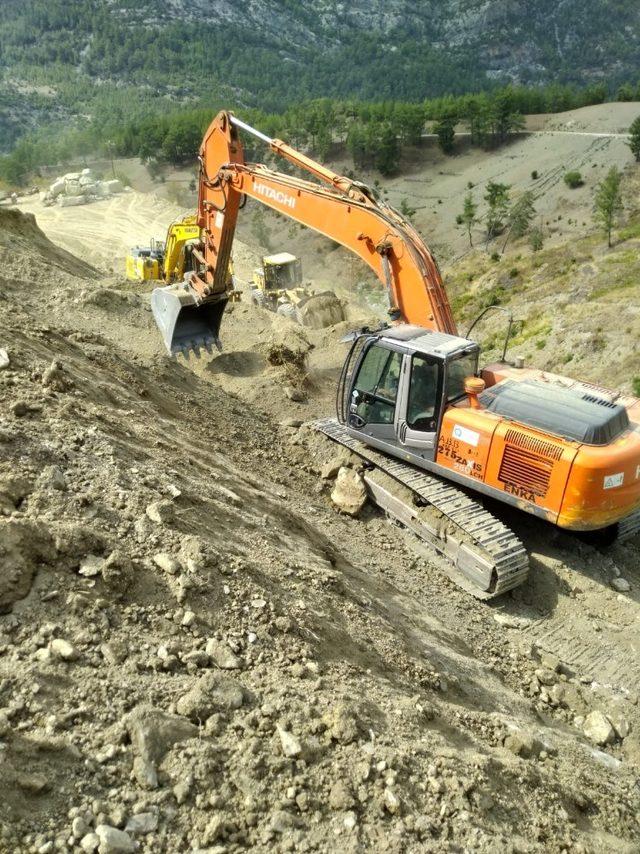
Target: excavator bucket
{"type": "Point", "coordinates": [186, 326]}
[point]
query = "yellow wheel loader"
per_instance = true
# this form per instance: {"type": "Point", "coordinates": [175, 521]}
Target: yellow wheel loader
{"type": "Point", "coordinates": [278, 286]}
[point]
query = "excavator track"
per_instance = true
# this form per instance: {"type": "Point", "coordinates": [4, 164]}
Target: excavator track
{"type": "Point", "coordinates": [629, 527]}
{"type": "Point", "coordinates": [482, 555]}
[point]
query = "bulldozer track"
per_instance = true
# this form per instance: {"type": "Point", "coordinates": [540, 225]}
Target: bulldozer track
{"type": "Point", "coordinates": [484, 557]}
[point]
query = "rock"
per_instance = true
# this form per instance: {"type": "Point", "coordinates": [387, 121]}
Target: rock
{"type": "Point", "coordinates": [90, 842]}
{"type": "Point", "coordinates": [295, 394]}
{"type": "Point", "coordinates": [391, 801]}
{"type": "Point", "coordinates": [211, 693]}
{"type": "Point", "coordinates": [341, 796]}
{"type": "Point", "coordinates": [91, 566]}
{"type": "Point", "coordinates": [55, 478]}
{"type": "Point", "coordinates": [167, 563]}
{"type": "Point", "coordinates": [79, 827]}
{"type": "Point", "coordinates": [523, 744]}
{"type": "Point", "coordinates": [181, 790]}
{"type": "Point", "coordinates": [33, 784]}
{"type": "Point", "coordinates": [619, 723]}
{"type": "Point", "coordinates": [117, 571]}
{"type": "Point", "coordinates": [330, 470]}
{"type": "Point", "coordinates": [291, 746]}
{"type": "Point", "coordinates": [621, 585]}
{"type": "Point", "coordinates": [53, 377]}
{"type": "Point", "coordinates": [161, 512]}
{"type": "Point", "coordinates": [188, 619]}
{"type": "Point", "coordinates": [221, 655]}
{"type": "Point", "coordinates": [291, 422]}
{"type": "Point", "coordinates": [153, 732]}
{"type": "Point", "coordinates": [281, 822]}
{"type": "Point", "coordinates": [546, 677]}
{"type": "Point", "coordinates": [349, 493]}
{"type": "Point", "coordinates": [5, 361]}
{"type": "Point", "coordinates": [62, 649]}
{"type": "Point", "coordinates": [510, 621]}
{"type": "Point", "coordinates": [598, 728]}
{"type": "Point", "coordinates": [143, 822]}
{"type": "Point", "coordinates": [113, 841]}
{"type": "Point", "coordinates": [342, 724]}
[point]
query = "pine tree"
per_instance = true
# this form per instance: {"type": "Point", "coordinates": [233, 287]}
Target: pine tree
{"type": "Point", "coordinates": [608, 202]}
{"type": "Point", "coordinates": [634, 137]}
{"type": "Point", "coordinates": [497, 199]}
{"type": "Point", "coordinates": [445, 130]}
{"type": "Point", "coordinates": [468, 216]}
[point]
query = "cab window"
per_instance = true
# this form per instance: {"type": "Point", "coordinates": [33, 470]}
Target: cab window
{"type": "Point", "coordinates": [376, 387]}
{"type": "Point", "coordinates": [458, 371]}
{"type": "Point", "coordinates": [423, 393]}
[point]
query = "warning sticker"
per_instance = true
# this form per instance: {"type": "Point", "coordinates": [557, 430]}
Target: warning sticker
{"type": "Point", "coordinates": [463, 434]}
{"type": "Point", "coordinates": [613, 480]}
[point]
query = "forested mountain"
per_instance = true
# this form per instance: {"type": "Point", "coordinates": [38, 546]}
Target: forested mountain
{"type": "Point", "coordinates": [104, 63]}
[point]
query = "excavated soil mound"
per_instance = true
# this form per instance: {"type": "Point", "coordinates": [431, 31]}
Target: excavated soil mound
{"type": "Point", "coordinates": [22, 243]}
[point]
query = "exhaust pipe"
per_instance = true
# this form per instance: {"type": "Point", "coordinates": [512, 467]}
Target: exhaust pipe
{"type": "Point", "coordinates": [186, 325]}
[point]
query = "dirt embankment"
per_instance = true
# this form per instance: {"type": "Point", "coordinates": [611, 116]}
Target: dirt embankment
{"type": "Point", "coordinates": [198, 653]}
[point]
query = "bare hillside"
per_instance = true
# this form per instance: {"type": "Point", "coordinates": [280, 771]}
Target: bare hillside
{"type": "Point", "coordinates": [198, 653]}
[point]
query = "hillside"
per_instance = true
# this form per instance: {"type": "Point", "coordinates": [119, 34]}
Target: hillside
{"type": "Point", "coordinates": [199, 654]}
{"type": "Point", "coordinates": [59, 59]}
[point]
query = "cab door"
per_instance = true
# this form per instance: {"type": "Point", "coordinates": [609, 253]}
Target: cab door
{"type": "Point", "coordinates": [374, 394]}
{"type": "Point", "coordinates": [419, 404]}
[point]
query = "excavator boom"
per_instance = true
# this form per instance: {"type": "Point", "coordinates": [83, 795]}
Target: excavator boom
{"type": "Point", "coordinates": [338, 207]}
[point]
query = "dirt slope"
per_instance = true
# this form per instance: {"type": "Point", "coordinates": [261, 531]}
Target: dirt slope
{"type": "Point", "coordinates": [195, 646]}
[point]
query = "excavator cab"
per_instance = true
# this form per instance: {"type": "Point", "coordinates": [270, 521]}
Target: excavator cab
{"type": "Point", "coordinates": [401, 381]}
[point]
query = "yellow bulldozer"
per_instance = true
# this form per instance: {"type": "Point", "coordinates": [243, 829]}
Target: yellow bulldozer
{"type": "Point", "coordinates": [279, 286]}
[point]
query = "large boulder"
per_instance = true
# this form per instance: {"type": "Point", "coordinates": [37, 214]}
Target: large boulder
{"type": "Point", "coordinates": [349, 493]}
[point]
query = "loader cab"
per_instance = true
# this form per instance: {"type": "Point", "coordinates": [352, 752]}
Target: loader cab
{"type": "Point", "coordinates": [398, 384]}
{"type": "Point", "coordinates": [280, 272]}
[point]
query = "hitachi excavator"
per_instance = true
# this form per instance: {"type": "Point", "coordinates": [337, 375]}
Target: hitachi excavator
{"type": "Point", "coordinates": [436, 432]}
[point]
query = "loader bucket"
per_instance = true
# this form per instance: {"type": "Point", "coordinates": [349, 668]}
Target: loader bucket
{"type": "Point", "coordinates": [320, 310]}
{"type": "Point", "coordinates": [186, 326]}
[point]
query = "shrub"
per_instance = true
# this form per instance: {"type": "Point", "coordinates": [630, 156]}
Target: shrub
{"type": "Point", "coordinates": [534, 175]}
{"type": "Point", "coordinates": [636, 386]}
{"type": "Point", "coordinates": [495, 256]}
{"type": "Point", "coordinates": [573, 179]}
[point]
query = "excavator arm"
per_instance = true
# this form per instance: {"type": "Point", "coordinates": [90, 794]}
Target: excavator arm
{"type": "Point", "coordinates": [343, 210]}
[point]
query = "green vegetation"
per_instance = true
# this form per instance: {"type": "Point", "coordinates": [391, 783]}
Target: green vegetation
{"type": "Point", "coordinates": [520, 216]}
{"type": "Point", "coordinates": [608, 201]}
{"type": "Point", "coordinates": [573, 179]}
{"type": "Point", "coordinates": [634, 140]}
{"type": "Point", "coordinates": [635, 384]}
{"type": "Point", "coordinates": [468, 217]}
{"type": "Point", "coordinates": [497, 199]}
{"type": "Point", "coordinates": [536, 239]}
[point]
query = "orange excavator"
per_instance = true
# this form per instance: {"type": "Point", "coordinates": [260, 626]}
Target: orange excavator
{"type": "Point", "coordinates": [436, 433]}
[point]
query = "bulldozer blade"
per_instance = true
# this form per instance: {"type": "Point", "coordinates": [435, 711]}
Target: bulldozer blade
{"type": "Point", "coordinates": [185, 325]}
